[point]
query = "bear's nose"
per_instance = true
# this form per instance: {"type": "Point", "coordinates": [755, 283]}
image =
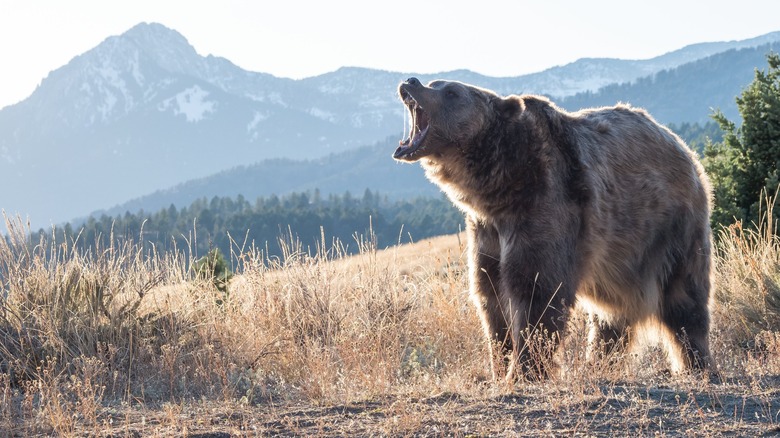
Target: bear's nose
{"type": "Point", "coordinates": [413, 82]}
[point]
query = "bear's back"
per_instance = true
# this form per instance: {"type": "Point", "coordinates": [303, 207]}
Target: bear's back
{"type": "Point", "coordinates": [630, 150]}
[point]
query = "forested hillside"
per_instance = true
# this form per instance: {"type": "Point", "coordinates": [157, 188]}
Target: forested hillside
{"type": "Point", "coordinates": [369, 167]}
{"type": "Point", "coordinates": [234, 225]}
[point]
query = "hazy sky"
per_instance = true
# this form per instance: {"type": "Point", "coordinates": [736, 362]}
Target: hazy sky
{"type": "Point", "coordinates": [303, 38]}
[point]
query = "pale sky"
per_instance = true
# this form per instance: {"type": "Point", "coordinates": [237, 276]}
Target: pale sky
{"type": "Point", "coordinates": [292, 38]}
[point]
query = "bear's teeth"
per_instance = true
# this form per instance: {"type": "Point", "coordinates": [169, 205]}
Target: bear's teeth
{"type": "Point", "coordinates": [406, 117]}
{"type": "Point", "coordinates": [411, 124]}
{"type": "Point", "coordinates": [414, 121]}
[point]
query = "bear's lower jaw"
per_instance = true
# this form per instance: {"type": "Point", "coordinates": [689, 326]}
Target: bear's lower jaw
{"type": "Point", "coordinates": [412, 148]}
{"type": "Point", "coordinates": [403, 153]}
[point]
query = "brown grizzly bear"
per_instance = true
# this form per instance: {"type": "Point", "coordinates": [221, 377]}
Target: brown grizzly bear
{"type": "Point", "coordinates": [603, 208]}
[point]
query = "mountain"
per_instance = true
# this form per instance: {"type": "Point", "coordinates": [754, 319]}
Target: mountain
{"type": "Point", "coordinates": [144, 111]}
{"type": "Point", "coordinates": [688, 93]}
{"type": "Point", "coordinates": [591, 74]}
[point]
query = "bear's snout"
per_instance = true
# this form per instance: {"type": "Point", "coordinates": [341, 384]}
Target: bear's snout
{"type": "Point", "coordinates": [414, 82]}
{"type": "Point", "coordinates": [409, 86]}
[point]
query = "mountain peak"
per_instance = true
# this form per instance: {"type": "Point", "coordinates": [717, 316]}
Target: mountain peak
{"type": "Point", "coordinates": [168, 48]}
{"type": "Point", "coordinates": [112, 79]}
{"type": "Point", "coordinates": [151, 35]}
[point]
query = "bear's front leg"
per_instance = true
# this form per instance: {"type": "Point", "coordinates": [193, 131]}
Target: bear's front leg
{"type": "Point", "coordinates": [484, 254]}
{"type": "Point", "coordinates": [538, 287]}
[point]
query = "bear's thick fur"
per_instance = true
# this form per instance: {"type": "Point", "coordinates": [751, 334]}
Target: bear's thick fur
{"type": "Point", "coordinates": [603, 208]}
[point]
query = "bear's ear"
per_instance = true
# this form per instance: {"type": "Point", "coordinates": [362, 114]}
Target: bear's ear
{"type": "Point", "coordinates": [509, 106]}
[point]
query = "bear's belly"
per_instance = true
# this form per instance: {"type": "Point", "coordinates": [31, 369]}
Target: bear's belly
{"type": "Point", "coordinates": [627, 298]}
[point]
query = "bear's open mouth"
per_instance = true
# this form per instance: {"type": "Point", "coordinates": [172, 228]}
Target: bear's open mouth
{"type": "Point", "coordinates": [419, 125]}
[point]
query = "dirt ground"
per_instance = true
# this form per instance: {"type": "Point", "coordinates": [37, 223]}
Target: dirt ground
{"type": "Point", "coordinates": [742, 407]}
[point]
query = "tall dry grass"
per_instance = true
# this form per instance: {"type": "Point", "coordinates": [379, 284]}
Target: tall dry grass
{"type": "Point", "coordinates": [125, 325]}
{"type": "Point", "coordinates": [747, 280]}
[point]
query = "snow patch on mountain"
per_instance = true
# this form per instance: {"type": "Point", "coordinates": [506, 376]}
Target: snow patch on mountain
{"type": "Point", "coordinates": [251, 127]}
{"type": "Point", "coordinates": [273, 97]}
{"type": "Point", "coordinates": [106, 87]}
{"type": "Point", "coordinates": [332, 89]}
{"type": "Point", "coordinates": [5, 155]}
{"type": "Point", "coordinates": [136, 70]}
{"type": "Point", "coordinates": [276, 98]}
{"type": "Point", "coordinates": [108, 104]}
{"type": "Point", "coordinates": [356, 120]}
{"type": "Point", "coordinates": [378, 101]}
{"type": "Point", "coordinates": [322, 114]}
{"type": "Point", "coordinates": [255, 97]}
{"type": "Point", "coordinates": [151, 92]}
{"type": "Point", "coordinates": [191, 103]}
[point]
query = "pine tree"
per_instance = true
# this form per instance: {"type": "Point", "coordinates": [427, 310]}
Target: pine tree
{"type": "Point", "coordinates": [744, 166]}
{"type": "Point", "coordinates": [213, 267]}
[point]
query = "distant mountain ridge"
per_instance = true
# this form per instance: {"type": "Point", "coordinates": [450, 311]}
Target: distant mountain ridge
{"type": "Point", "coordinates": [143, 111]}
{"type": "Point", "coordinates": [688, 93]}
{"type": "Point", "coordinates": [591, 74]}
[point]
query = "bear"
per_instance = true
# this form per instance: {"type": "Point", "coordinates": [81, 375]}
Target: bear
{"type": "Point", "coordinates": [603, 208]}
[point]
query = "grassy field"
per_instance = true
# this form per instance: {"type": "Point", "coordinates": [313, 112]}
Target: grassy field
{"type": "Point", "coordinates": [126, 341]}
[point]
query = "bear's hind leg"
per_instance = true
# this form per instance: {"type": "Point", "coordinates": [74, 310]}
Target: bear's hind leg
{"type": "Point", "coordinates": [688, 326]}
{"type": "Point", "coordinates": [686, 316]}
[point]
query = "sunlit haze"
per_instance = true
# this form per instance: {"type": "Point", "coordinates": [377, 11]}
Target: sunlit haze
{"type": "Point", "coordinates": [300, 39]}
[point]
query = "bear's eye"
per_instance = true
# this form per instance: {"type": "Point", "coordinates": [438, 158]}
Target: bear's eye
{"type": "Point", "coordinates": [452, 94]}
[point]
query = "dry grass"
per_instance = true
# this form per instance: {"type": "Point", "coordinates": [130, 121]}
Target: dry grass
{"type": "Point", "coordinates": [127, 341]}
